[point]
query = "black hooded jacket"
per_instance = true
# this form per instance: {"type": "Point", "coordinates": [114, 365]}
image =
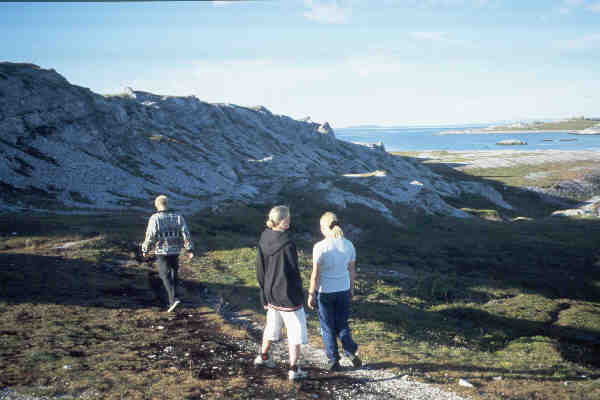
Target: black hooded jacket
{"type": "Point", "coordinates": [277, 271]}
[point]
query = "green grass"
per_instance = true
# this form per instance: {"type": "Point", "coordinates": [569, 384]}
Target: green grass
{"type": "Point", "coordinates": [541, 175]}
{"type": "Point", "coordinates": [491, 215]}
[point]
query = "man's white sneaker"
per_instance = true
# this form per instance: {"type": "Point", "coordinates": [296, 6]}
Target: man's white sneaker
{"type": "Point", "coordinates": [258, 361]}
{"type": "Point", "coordinates": [357, 362]}
{"type": "Point", "coordinates": [297, 374]}
{"type": "Point", "coordinates": [175, 304]}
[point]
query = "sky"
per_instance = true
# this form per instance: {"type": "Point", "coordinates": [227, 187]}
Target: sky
{"type": "Point", "coordinates": [346, 62]}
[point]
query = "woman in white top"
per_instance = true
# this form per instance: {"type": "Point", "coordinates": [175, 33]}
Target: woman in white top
{"type": "Point", "coordinates": [331, 286]}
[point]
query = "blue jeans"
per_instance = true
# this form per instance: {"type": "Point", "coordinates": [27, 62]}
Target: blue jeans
{"type": "Point", "coordinates": [334, 309]}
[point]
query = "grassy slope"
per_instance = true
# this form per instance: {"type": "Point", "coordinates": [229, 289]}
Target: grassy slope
{"type": "Point", "coordinates": [440, 299]}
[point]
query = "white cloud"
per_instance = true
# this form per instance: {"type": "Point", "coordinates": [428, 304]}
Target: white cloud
{"type": "Point", "coordinates": [587, 42]}
{"type": "Point", "coordinates": [282, 87]}
{"type": "Point", "coordinates": [595, 8]}
{"type": "Point", "coordinates": [436, 37]}
{"type": "Point", "coordinates": [432, 36]}
{"type": "Point", "coordinates": [452, 3]}
{"type": "Point", "coordinates": [220, 3]}
{"type": "Point", "coordinates": [581, 4]}
{"type": "Point", "coordinates": [375, 87]}
{"type": "Point", "coordinates": [328, 12]}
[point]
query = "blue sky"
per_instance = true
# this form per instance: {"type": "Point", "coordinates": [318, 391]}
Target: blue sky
{"type": "Point", "coordinates": [348, 62]}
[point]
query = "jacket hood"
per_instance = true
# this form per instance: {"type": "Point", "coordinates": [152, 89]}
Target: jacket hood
{"type": "Point", "coordinates": [272, 241]}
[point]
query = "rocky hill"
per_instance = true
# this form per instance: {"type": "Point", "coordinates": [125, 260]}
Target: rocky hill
{"type": "Point", "coordinates": [66, 147]}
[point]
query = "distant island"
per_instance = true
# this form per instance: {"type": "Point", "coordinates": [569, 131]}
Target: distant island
{"type": "Point", "coordinates": [579, 126]}
{"type": "Point", "coordinates": [366, 127]}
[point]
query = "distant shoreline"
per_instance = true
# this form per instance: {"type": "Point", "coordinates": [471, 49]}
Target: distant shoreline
{"type": "Point", "coordinates": [500, 158]}
{"type": "Point", "coordinates": [486, 131]}
{"type": "Point", "coordinates": [517, 131]}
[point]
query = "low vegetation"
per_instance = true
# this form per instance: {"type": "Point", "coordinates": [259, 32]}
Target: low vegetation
{"type": "Point", "coordinates": [567, 125]}
{"type": "Point", "coordinates": [512, 307]}
{"type": "Point", "coordinates": [463, 166]}
{"type": "Point", "coordinates": [541, 175]}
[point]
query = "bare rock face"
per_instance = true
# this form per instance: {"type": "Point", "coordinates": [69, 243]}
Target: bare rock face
{"type": "Point", "coordinates": [64, 146]}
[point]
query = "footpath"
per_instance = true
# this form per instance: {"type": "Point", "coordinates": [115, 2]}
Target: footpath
{"type": "Point", "coordinates": [371, 383]}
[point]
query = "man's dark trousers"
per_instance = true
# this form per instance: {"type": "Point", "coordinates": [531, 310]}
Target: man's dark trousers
{"type": "Point", "coordinates": [167, 269]}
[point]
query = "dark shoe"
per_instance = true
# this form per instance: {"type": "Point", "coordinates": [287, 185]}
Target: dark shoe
{"type": "Point", "coordinates": [355, 361]}
{"type": "Point", "coordinates": [334, 366]}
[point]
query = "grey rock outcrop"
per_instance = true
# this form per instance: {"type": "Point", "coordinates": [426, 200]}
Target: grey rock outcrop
{"type": "Point", "coordinates": [65, 146]}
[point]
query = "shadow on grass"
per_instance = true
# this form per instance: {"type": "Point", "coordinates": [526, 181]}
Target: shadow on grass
{"type": "Point", "coordinates": [29, 278]}
{"type": "Point", "coordinates": [467, 260]}
{"type": "Point", "coordinates": [481, 331]}
{"type": "Point", "coordinates": [114, 224]}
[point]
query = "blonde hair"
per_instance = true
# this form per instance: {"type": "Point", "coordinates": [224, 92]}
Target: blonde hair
{"type": "Point", "coordinates": [330, 226]}
{"type": "Point", "coordinates": [161, 202]}
{"type": "Point", "coordinates": [276, 215]}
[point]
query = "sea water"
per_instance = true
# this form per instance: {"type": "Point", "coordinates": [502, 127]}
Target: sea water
{"type": "Point", "coordinates": [433, 138]}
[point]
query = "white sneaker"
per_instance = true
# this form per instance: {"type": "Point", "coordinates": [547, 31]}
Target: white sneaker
{"type": "Point", "coordinates": [269, 363]}
{"type": "Point", "coordinates": [357, 362]}
{"type": "Point", "coordinates": [175, 304]}
{"type": "Point", "coordinates": [298, 374]}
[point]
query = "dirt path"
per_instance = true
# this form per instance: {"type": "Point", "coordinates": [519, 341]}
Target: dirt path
{"type": "Point", "coordinates": [366, 383]}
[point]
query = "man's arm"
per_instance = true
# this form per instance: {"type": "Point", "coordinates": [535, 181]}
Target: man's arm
{"type": "Point", "coordinates": [150, 235]}
{"type": "Point", "coordinates": [187, 239]}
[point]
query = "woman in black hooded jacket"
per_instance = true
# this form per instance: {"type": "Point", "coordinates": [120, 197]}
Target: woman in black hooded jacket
{"type": "Point", "coordinates": [280, 290]}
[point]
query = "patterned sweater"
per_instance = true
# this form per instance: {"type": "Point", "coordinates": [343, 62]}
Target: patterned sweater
{"type": "Point", "coordinates": [170, 232]}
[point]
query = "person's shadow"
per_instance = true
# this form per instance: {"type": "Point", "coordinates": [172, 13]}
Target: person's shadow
{"type": "Point", "coordinates": [31, 278]}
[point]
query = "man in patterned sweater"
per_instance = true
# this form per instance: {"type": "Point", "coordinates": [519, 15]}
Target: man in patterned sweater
{"type": "Point", "coordinates": [169, 231]}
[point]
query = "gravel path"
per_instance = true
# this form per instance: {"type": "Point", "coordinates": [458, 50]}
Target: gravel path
{"type": "Point", "coordinates": [375, 384]}
{"type": "Point", "coordinates": [9, 394]}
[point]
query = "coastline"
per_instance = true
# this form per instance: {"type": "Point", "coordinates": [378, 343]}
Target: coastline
{"type": "Point", "coordinates": [585, 132]}
{"type": "Point", "coordinates": [508, 131]}
{"type": "Point", "coordinates": [503, 157]}
{"type": "Point", "coordinates": [485, 131]}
